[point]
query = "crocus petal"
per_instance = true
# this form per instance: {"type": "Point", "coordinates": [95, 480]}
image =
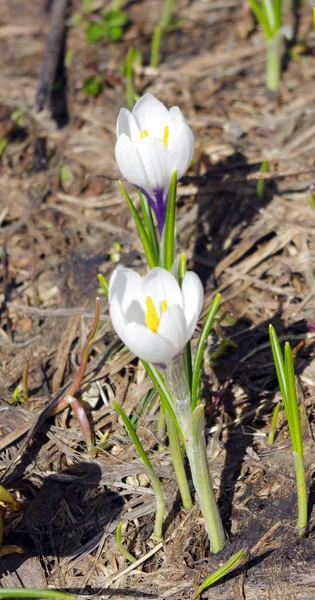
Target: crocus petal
{"type": "Point", "coordinates": [161, 285]}
{"type": "Point", "coordinates": [125, 284]}
{"type": "Point", "coordinates": [117, 317]}
{"type": "Point", "coordinates": [126, 123]}
{"type": "Point", "coordinates": [172, 327]}
{"type": "Point", "coordinates": [181, 150]}
{"type": "Point", "coordinates": [148, 345]}
{"type": "Point", "coordinates": [154, 156]}
{"type": "Point", "coordinates": [131, 164]}
{"type": "Point", "coordinates": [175, 121]}
{"type": "Point", "coordinates": [151, 115]}
{"type": "Point", "coordinates": [193, 296]}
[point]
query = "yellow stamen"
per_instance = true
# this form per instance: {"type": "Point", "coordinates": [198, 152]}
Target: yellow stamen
{"type": "Point", "coordinates": [165, 135]}
{"type": "Point", "coordinates": [151, 316]}
{"type": "Point", "coordinates": [163, 305]}
{"type": "Point", "coordinates": [143, 134]}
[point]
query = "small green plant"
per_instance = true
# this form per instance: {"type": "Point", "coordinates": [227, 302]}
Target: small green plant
{"type": "Point", "coordinates": [93, 85]}
{"type": "Point", "coordinates": [111, 26]}
{"type": "Point", "coordinates": [269, 15]}
{"type": "Point", "coordinates": [65, 174]}
{"type": "Point", "coordinates": [219, 573]}
{"type": "Point", "coordinates": [7, 503]}
{"type": "Point", "coordinates": [120, 545]}
{"type": "Point", "coordinates": [261, 183]}
{"type": "Point", "coordinates": [20, 393]}
{"type": "Point", "coordinates": [3, 144]}
{"type": "Point", "coordinates": [286, 378]}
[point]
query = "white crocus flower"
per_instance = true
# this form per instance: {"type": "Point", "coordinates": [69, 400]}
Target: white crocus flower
{"type": "Point", "coordinates": [152, 143]}
{"type": "Point", "coordinates": [152, 315]}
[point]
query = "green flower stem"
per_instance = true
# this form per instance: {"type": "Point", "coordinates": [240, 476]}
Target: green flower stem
{"type": "Point", "coordinates": [197, 454]}
{"type": "Point", "coordinates": [274, 59]}
{"type": "Point", "coordinates": [176, 383]}
{"type": "Point", "coordinates": [301, 492]}
{"type": "Point", "coordinates": [178, 462]}
{"type": "Point", "coordinates": [161, 427]}
{"type": "Point", "coordinates": [192, 425]}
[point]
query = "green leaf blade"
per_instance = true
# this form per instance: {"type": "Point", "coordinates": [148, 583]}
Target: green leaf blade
{"type": "Point", "coordinates": [200, 350]}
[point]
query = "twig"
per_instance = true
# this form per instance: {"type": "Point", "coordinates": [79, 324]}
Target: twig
{"type": "Point", "coordinates": [52, 53]}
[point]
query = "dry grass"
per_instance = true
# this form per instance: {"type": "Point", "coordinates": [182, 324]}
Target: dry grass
{"type": "Point", "coordinates": [258, 253]}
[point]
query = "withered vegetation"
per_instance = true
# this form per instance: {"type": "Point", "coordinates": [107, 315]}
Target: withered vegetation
{"type": "Point", "coordinates": [57, 233]}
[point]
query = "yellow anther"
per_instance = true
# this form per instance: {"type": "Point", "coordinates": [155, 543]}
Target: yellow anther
{"type": "Point", "coordinates": [143, 134]}
{"type": "Point", "coordinates": [163, 305]}
{"type": "Point", "coordinates": [151, 316]}
{"type": "Point", "coordinates": [165, 135]}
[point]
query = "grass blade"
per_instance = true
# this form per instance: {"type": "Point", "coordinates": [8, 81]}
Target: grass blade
{"type": "Point", "coordinates": [159, 496]}
{"type": "Point", "coordinates": [149, 223]}
{"type": "Point", "coordinates": [219, 573]}
{"type": "Point", "coordinates": [35, 593]}
{"type": "Point", "coordinates": [121, 546]}
{"type": "Point", "coordinates": [279, 363]}
{"type": "Point", "coordinates": [169, 227]}
{"type": "Point", "coordinates": [195, 388]}
{"type": "Point", "coordinates": [104, 283]}
{"type": "Point", "coordinates": [146, 244]}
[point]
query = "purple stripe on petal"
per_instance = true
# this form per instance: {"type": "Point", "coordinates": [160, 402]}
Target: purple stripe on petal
{"type": "Point", "coordinates": [161, 203]}
{"type": "Point", "coordinates": [158, 204]}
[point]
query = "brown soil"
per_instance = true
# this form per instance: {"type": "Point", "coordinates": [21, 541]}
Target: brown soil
{"type": "Point", "coordinates": [56, 236]}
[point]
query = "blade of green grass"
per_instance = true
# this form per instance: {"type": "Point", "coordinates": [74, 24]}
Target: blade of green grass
{"type": "Point", "coordinates": [279, 362]}
{"type": "Point", "coordinates": [104, 283]}
{"type": "Point", "coordinates": [195, 388]}
{"type": "Point", "coordinates": [159, 496]}
{"type": "Point", "coordinates": [219, 573]}
{"type": "Point", "coordinates": [35, 593]}
{"type": "Point", "coordinates": [169, 228]}
{"type": "Point", "coordinates": [149, 223]}
{"type": "Point", "coordinates": [121, 546]}
{"type": "Point", "coordinates": [146, 244]}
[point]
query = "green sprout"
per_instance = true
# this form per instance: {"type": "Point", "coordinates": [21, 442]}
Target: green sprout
{"type": "Point", "coordinates": [115, 254]}
{"type": "Point", "coordinates": [269, 15]}
{"type": "Point", "coordinates": [93, 85]}
{"type": "Point", "coordinates": [134, 58]}
{"type": "Point", "coordinates": [120, 545]}
{"type": "Point", "coordinates": [144, 235]}
{"type": "Point", "coordinates": [111, 26]}
{"type": "Point", "coordinates": [20, 393]}
{"type": "Point", "coordinates": [3, 144]}
{"type": "Point", "coordinates": [219, 573]}
{"type": "Point", "coordinates": [157, 35]}
{"type": "Point", "coordinates": [261, 183]}
{"type": "Point", "coordinates": [286, 378]}
{"type": "Point", "coordinates": [65, 174]}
